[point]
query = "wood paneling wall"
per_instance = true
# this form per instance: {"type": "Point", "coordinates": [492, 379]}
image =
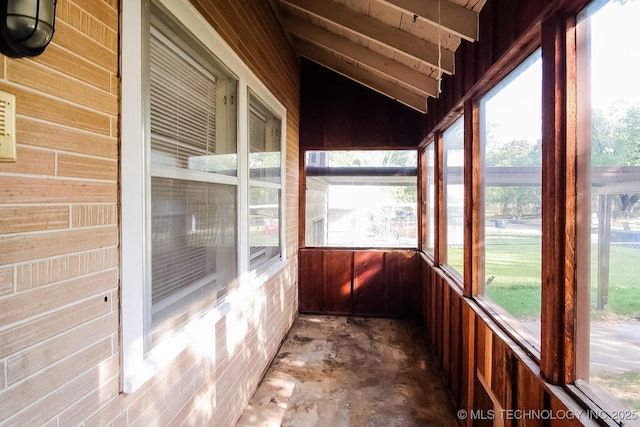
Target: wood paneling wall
{"type": "Point", "coordinates": [381, 283]}
{"type": "Point", "coordinates": [59, 237]}
{"type": "Point", "coordinates": [337, 113]}
{"type": "Point", "coordinates": [484, 369]}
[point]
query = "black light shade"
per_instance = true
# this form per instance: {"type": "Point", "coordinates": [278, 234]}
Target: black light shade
{"type": "Point", "coordinates": [26, 26]}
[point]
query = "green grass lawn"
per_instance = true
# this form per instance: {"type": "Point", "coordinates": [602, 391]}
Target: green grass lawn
{"type": "Point", "coordinates": [514, 262]}
{"type": "Point", "coordinates": [623, 386]}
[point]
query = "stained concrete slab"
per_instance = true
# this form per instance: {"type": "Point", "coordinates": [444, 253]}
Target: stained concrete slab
{"type": "Point", "coordinates": [344, 371]}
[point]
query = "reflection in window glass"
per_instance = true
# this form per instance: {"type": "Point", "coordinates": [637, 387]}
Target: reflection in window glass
{"type": "Point", "coordinates": [511, 131]}
{"type": "Point", "coordinates": [361, 198]}
{"type": "Point", "coordinates": [609, 171]}
{"type": "Point", "coordinates": [453, 160]}
{"type": "Point", "coordinates": [430, 198]}
{"type": "Point", "coordinates": [265, 185]}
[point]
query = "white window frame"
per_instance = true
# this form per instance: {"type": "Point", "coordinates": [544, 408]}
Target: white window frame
{"type": "Point", "coordinates": [139, 364]}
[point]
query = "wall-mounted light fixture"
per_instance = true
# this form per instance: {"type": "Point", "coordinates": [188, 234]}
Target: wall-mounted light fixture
{"type": "Point", "coordinates": [26, 26]}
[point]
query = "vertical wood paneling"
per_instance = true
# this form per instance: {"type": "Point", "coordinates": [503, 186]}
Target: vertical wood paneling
{"type": "Point", "coordinates": [369, 283]}
{"type": "Point", "coordinates": [311, 285]}
{"type": "Point", "coordinates": [402, 284]}
{"type": "Point", "coordinates": [455, 353]}
{"type": "Point", "coordinates": [446, 331]}
{"type": "Point", "coordinates": [337, 274]}
{"type": "Point", "coordinates": [337, 113]}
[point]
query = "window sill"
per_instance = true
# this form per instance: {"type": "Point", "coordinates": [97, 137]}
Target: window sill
{"type": "Point", "coordinates": [196, 335]}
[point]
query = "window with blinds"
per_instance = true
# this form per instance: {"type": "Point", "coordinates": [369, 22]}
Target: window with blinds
{"type": "Point", "coordinates": [265, 191]}
{"type": "Point", "coordinates": [193, 202]}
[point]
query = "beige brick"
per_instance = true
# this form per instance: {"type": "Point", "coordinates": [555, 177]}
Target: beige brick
{"type": "Point", "coordinates": [3, 374]}
{"type": "Point", "coordinates": [93, 399]}
{"type": "Point", "coordinates": [153, 414]}
{"type": "Point", "coordinates": [145, 411]}
{"type": "Point", "coordinates": [63, 345]}
{"type": "Point", "coordinates": [47, 135]}
{"type": "Point", "coordinates": [43, 79]}
{"type": "Point", "coordinates": [28, 247]}
{"type": "Point", "coordinates": [115, 84]}
{"type": "Point", "coordinates": [74, 40]}
{"type": "Point", "coordinates": [46, 190]}
{"type": "Point", "coordinates": [6, 281]}
{"type": "Point", "coordinates": [27, 392]}
{"type": "Point", "coordinates": [107, 413]}
{"type": "Point", "coordinates": [94, 19]}
{"type": "Point", "coordinates": [36, 302]}
{"type": "Point", "coordinates": [75, 66]}
{"type": "Point", "coordinates": [20, 337]}
{"type": "Point", "coordinates": [26, 159]}
{"type": "Point", "coordinates": [86, 167]}
{"type": "Point", "coordinates": [101, 376]}
{"type": "Point", "coordinates": [51, 423]}
{"type": "Point", "coordinates": [45, 272]}
{"type": "Point", "coordinates": [33, 104]}
{"type": "Point", "coordinates": [94, 215]}
{"type": "Point", "coordinates": [33, 218]}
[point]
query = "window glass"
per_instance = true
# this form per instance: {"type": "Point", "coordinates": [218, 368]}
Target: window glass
{"type": "Point", "coordinates": [430, 198]}
{"type": "Point", "coordinates": [511, 135]}
{"type": "Point", "coordinates": [192, 146]}
{"type": "Point", "coordinates": [608, 203]}
{"type": "Point", "coordinates": [361, 198]}
{"type": "Point", "coordinates": [265, 187]}
{"type": "Point", "coordinates": [453, 175]}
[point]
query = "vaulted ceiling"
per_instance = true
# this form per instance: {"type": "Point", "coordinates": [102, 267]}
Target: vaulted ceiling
{"type": "Point", "coordinates": [399, 48]}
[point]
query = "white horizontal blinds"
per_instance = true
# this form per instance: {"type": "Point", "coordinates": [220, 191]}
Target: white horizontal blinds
{"type": "Point", "coordinates": [257, 142]}
{"type": "Point", "coordinates": [191, 222]}
{"type": "Point", "coordinates": [183, 105]}
{"type": "Point", "coordinates": [177, 261]}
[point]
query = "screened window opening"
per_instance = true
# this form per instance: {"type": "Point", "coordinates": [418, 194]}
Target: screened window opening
{"type": "Point", "coordinates": [511, 135]}
{"type": "Point", "coordinates": [608, 247]}
{"type": "Point", "coordinates": [193, 184]}
{"type": "Point", "coordinates": [361, 198]}
{"type": "Point", "coordinates": [265, 193]}
{"type": "Point", "coordinates": [453, 176]}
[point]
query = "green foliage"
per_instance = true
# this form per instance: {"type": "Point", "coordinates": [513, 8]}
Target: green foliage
{"type": "Point", "coordinates": [514, 200]}
{"type": "Point", "coordinates": [615, 141]}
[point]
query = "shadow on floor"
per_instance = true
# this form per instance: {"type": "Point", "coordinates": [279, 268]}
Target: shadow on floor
{"type": "Point", "coordinates": [344, 371]}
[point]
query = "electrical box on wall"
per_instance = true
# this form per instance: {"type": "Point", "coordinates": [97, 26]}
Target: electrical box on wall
{"type": "Point", "coordinates": [7, 127]}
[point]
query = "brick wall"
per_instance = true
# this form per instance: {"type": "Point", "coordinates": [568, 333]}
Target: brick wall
{"type": "Point", "coordinates": [59, 233]}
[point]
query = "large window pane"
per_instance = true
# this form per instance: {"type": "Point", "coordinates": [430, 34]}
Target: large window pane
{"type": "Point", "coordinates": [453, 175]}
{"type": "Point", "coordinates": [511, 131]}
{"type": "Point", "coordinates": [609, 176]}
{"type": "Point", "coordinates": [193, 233]}
{"type": "Point", "coordinates": [265, 185]}
{"type": "Point", "coordinates": [193, 124]}
{"type": "Point", "coordinates": [361, 198]}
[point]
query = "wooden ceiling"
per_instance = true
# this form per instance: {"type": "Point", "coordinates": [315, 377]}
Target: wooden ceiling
{"type": "Point", "coordinates": [396, 47]}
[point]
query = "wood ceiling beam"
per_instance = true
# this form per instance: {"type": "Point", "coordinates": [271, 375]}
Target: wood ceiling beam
{"type": "Point", "coordinates": [363, 77]}
{"type": "Point", "coordinates": [453, 18]}
{"type": "Point", "coordinates": [377, 31]}
{"type": "Point", "coordinates": [349, 49]}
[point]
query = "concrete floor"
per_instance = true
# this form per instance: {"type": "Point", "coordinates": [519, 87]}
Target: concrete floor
{"type": "Point", "coordinates": [344, 371]}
